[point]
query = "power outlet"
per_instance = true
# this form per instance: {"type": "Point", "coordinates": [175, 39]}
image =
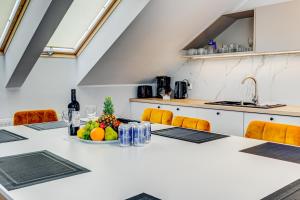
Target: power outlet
{"type": "Point", "coordinates": [190, 87]}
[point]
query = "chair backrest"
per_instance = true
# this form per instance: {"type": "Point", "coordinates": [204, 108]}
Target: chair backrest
{"type": "Point", "coordinates": [191, 123]}
{"type": "Point", "coordinates": [158, 116]}
{"type": "Point", "coordinates": [280, 133]}
{"type": "Point", "coordinates": [34, 116]}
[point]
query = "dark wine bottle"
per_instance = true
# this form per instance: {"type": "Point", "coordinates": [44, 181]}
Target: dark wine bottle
{"type": "Point", "coordinates": [74, 116]}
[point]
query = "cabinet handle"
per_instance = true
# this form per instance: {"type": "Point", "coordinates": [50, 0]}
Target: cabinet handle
{"type": "Point", "coordinates": [218, 113]}
{"type": "Point", "coordinates": [177, 109]}
{"type": "Point", "coordinates": [271, 118]}
{"type": "Point", "coordinates": [158, 107]}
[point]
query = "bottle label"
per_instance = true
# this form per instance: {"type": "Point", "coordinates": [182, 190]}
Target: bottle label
{"type": "Point", "coordinates": [75, 118]}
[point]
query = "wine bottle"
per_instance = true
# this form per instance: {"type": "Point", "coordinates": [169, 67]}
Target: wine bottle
{"type": "Point", "coordinates": [74, 116]}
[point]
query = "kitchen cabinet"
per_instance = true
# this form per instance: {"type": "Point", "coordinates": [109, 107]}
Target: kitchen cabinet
{"type": "Point", "coordinates": [137, 109]}
{"type": "Point", "coordinates": [277, 27]}
{"type": "Point", "coordinates": [225, 122]}
{"type": "Point", "coordinates": [248, 117]}
{"type": "Point", "coordinates": [181, 110]}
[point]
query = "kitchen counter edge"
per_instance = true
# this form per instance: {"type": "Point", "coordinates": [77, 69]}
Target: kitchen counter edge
{"type": "Point", "coordinates": [289, 110]}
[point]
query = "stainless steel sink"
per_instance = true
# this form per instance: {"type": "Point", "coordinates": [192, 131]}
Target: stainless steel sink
{"type": "Point", "coordinates": [244, 104]}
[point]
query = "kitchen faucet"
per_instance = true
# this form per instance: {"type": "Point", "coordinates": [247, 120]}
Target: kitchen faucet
{"type": "Point", "coordinates": [255, 97]}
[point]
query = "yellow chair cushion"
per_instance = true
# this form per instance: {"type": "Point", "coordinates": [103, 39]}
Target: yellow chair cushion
{"type": "Point", "coordinates": [147, 114]}
{"type": "Point", "coordinates": [255, 130]}
{"type": "Point", "coordinates": [177, 121]}
{"type": "Point", "coordinates": [293, 135]}
{"type": "Point", "coordinates": [191, 123]}
{"type": "Point", "coordinates": [158, 116]}
{"type": "Point", "coordinates": [167, 117]}
{"type": "Point", "coordinates": [280, 133]}
{"type": "Point", "coordinates": [274, 132]}
{"type": "Point", "coordinates": [203, 125]}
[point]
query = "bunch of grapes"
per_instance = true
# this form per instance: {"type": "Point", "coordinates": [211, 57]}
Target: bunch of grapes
{"type": "Point", "coordinates": [89, 126]}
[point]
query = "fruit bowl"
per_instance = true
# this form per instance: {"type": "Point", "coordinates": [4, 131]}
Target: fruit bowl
{"type": "Point", "coordinates": [103, 130]}
{"type": "Point", "coordinates": [97, 142]}
{"type": "Point", "coordinates": [92, 132]}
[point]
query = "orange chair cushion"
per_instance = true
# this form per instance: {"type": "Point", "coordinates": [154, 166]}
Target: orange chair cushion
{"type": "Point", "coordinates": [191, 123]}
{"type": "Point", "coordinates": [34, 116]}
{"type": "Point", "coordinates": [167, 117]}
{"type": "Point", "coordinates": [274, 132]}
{"type": "Point", "coordinates": [177, 121]}
{"type": "Point", "coordinates": [203, 125]}
{"type": "Point", "coordinates": [158, 116]}
{"type": "Point", "coordinates": [21, 118]}
{"type": "Point", "coordinates": [147, 114]}
{"type": "Point", "coordinates": [280, 133]}
{"type": "Point", "coordinates": [293, 135]}
{"type": "Point", "coordinates": [255, 130]}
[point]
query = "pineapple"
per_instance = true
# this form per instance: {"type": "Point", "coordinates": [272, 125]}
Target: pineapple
{"type": "Point", "coordinates": [108, 118]}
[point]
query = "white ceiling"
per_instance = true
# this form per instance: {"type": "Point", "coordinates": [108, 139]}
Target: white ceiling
{"type": "Point", "coordinates": [6, 8]}
{"type": "Point", "coordinates": [76, 23]}
{"type": "Point", "coordinates": [251, 4]}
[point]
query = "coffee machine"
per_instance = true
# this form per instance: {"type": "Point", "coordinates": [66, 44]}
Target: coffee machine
{"type": "Point", "coordinates": [180, 89]}
{"type": "Point", "coordinates": [163, 85]}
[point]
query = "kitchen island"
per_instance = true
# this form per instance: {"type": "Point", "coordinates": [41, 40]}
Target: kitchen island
{"type": "Point", "coordinates": [166, 168]}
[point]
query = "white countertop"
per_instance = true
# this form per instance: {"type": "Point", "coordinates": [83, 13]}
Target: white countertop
{"type": "Point", "coordinates": [165, 168]}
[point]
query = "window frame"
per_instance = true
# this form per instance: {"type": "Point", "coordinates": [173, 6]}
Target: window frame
{"type": "Point", "coordinates": [72, 53]}
{"type": "Point", "coordinates": [14, 25]}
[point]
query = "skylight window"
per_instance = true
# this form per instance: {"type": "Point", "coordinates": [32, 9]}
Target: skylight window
{"type": "Point", "coordinates": [81, 20]}
{"type": "Point", "coordinates": [10, 14]}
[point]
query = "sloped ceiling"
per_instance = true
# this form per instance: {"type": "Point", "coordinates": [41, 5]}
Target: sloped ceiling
{"type": "Point", "coordinates": [150, 46]}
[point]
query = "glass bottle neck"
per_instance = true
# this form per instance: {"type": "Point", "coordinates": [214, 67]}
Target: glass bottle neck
{"type": "Point", "coordinates": [73, 95]}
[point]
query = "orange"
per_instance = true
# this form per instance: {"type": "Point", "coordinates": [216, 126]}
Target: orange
{"type": "Point", "coordinates": [97, 134]}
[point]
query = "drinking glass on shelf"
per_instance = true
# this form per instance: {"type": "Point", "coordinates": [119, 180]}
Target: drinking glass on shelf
{"type": "Point", "coordinates": [66, 118]}
{"type": "Point", "coordinates": [250, 42]}
{"type": "Point", "coordinates": [91, 111]}
{"type": "Point", "coordinates": [225, 48]}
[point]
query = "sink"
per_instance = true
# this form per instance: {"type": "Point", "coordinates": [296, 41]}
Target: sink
{"type": "Point", "coordinates": [244, 104]}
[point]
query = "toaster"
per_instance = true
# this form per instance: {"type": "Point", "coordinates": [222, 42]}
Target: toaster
{"type": "Point", "coordinates": [144, 91]}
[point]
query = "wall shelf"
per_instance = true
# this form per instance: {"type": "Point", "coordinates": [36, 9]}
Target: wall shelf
{"type": "Point", "coordinates": [238, 54]}
{"type": "Point", "coordinates": [217, 27]}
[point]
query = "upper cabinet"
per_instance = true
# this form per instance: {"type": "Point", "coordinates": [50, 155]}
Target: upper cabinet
{"type": "Point", "coordinates": [277, 27]}
{"type": "Point", "coordinates": [266, 30]}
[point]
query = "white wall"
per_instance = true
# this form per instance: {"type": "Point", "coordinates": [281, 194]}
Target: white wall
{"type": "Point", "coordinates": [49, 84]}
{"type": "Point", "coordinates": [239, 32]}
{"type": "Point", "coordinates": [151, 45]}
{"type": "Point", "coordinates": [220, 79]}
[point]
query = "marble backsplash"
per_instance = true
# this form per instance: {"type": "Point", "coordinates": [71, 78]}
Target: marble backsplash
{"type": "Point", "coordinates": [278, 78]}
